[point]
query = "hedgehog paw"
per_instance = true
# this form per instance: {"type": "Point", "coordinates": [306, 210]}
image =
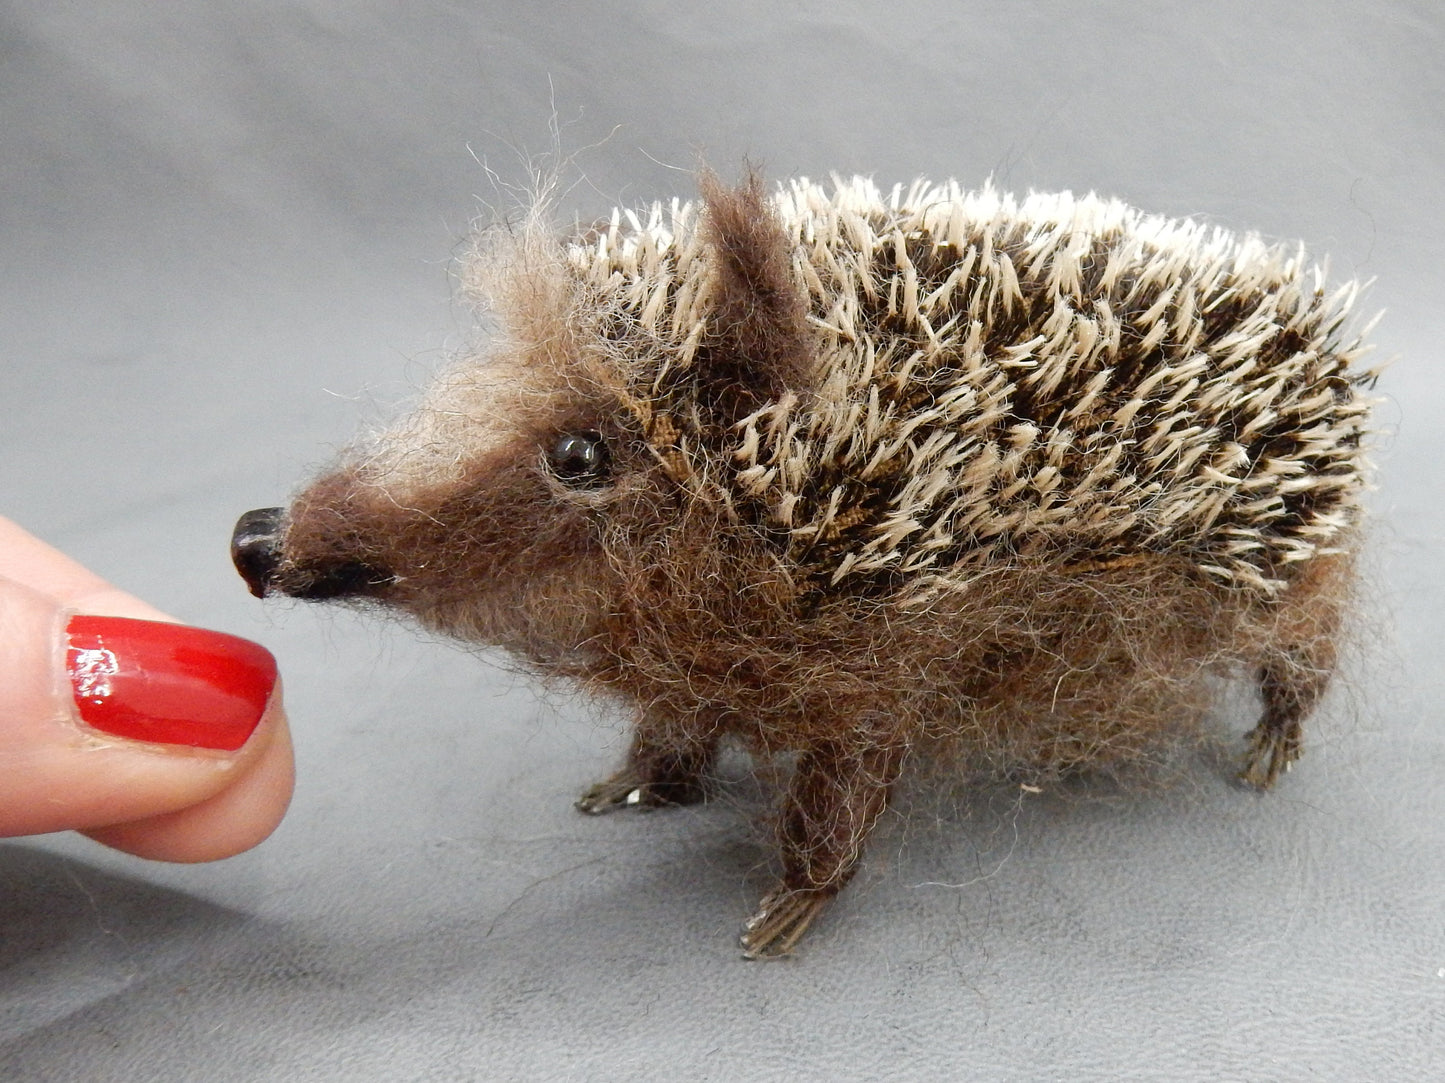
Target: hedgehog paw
{"type": "Point", "coordinates": [783, 916]}
{"type": "Point", "coordinates": [628, 789]}
{"type": "Point", "coordinates": [1272, 748]}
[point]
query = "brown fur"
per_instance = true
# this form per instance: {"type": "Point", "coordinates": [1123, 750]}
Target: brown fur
{"type": "Point", "coordinates": [760, 348]}
{"type": "Point", "coordinates": [726, 595]}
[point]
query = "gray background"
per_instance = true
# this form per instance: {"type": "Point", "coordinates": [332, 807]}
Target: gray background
{"type": "Point", "coordinates": [226, 237]}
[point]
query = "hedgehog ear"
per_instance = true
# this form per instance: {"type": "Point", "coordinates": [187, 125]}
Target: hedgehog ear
{"type": "Point", "coordinates": [759, 346]}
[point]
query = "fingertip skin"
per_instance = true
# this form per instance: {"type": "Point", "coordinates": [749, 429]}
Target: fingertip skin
{"type": "Point", "coordinates": [239, 817]}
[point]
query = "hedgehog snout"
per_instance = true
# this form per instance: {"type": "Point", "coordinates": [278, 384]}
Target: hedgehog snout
{"type": "Point", "coordinates": [256, 548]}
{"type": "Point", "coordinates": [256, 551]}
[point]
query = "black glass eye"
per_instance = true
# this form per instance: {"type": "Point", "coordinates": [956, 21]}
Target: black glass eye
{"type": "Point", "coordinates": [580, 458]}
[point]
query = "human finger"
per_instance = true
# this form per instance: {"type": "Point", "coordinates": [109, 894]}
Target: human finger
{"type": "Point", "coordinates": [133, 730]}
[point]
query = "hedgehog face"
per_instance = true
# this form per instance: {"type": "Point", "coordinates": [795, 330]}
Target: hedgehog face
{"type": "Point", "coordinates": [484, 514]}
{"type": "Point", "coordinates": [537, 494]}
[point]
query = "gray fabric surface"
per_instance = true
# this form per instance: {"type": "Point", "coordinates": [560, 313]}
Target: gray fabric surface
{"type": "Point", "coordinates": [227, 228]}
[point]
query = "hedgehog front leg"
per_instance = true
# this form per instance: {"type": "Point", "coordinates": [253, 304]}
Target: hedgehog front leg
{"type": "Point", "coordinates": [662, 768]}
{"type": "Point", "coordinates": [837, 794]}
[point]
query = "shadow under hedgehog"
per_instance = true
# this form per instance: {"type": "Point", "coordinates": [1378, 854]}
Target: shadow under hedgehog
{"type": "Point", "coordinates": [850, 475]}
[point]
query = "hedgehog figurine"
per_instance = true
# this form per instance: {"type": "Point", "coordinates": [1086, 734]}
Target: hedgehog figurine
{"type": "Point", "coordinates": [861, 479]}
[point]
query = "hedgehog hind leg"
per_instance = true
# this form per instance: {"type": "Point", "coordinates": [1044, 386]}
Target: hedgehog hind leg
{"type": "Point", "coordinates": [1278, 738]}
{"type": "Point", "coordinates": [837, 795]}
{"type": "Point", "coordinates": [657, 773]}
{"type": "Point", "coordinates": [1295, 675]}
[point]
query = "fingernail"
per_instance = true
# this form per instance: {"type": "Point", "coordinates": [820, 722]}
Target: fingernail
{"type": "Point", "coordinates": [168, 683]}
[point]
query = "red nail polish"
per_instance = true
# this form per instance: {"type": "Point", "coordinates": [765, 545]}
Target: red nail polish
{"type": "Point", "coordinates": [167, 683]}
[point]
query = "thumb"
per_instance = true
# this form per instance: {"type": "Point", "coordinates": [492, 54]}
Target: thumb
{"type": "Point", "coordinates": [157, 738]}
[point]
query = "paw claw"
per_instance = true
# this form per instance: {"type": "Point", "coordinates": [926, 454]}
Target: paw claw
{"type": "Point", "coordinates": [1272, 751]}
{"type": "Point", "coordinates": [612, 793]}
{"type": "Point", "coordinates": [782, 918]}
{"type": "Point", "coordinates": [627, 790]}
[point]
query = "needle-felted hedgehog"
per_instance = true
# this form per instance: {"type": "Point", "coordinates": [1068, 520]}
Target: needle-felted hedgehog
{"type": "Point", "coordinates": [856, 477]}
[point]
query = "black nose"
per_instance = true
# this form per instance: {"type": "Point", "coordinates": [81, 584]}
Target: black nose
{"type": "Point", "coordinates": [256, 552]}
{"type": "Point", "coordinates": [256, 547]}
